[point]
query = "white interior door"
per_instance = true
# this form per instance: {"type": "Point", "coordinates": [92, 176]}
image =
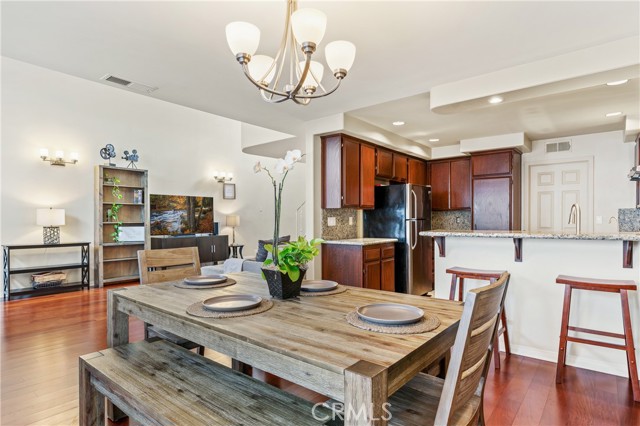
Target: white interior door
{"type": "Point", "coordinates": [554, 188]}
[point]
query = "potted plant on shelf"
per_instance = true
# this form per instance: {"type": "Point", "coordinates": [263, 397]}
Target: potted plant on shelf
{"type": "Point", "coordinates": [112, 212]}
{"type": "Point", "coordinates": [285, 270]}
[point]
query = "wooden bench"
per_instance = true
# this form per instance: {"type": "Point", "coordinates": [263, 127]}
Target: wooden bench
{"type": "Point", "coordinates": [159, 383]}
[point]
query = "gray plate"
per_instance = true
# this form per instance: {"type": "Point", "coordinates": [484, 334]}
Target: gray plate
{"type": "Point", "coordinates": [390, 313]}
{"type": "Point", "coordinates": [318, 285]}
{"type": "Point", "coordinates": [205, 279]}
{"type": "Point", "coordinates": [232, 302]}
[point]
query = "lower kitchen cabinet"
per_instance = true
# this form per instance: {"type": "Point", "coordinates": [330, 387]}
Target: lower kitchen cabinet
{"type": "Point", "coordinates": [369, 266]}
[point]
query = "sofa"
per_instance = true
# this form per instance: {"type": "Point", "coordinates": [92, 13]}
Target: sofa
{"type": "Point", "coordinates": [233, 265]}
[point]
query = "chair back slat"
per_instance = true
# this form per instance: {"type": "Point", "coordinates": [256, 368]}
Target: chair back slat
{"type": "Point", "coordinates": [168, 264]}
{"type": "Point", "coordinates": [472, 350]}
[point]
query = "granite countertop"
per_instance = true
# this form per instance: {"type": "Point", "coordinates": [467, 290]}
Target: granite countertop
{"type": "Point", "coordinates": [362, 241]}
{"type": "Point", "coordinates": [615, 236]}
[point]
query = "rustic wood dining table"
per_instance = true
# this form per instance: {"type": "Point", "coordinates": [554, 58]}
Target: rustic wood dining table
{"type": "Point", "coordinates": [305, 340]}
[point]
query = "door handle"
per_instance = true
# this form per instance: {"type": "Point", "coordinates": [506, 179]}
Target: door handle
{"type": "Point", "coordinates": [414, 243]}
{"type": "Point", "coordinates": [415, 204]}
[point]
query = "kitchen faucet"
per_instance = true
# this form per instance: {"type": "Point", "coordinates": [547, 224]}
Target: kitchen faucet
{"type": "Point", "coordinates": [574, 217]}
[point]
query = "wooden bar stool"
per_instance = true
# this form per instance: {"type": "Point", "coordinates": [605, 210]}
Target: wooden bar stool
{"type": "Point", "coordinates": [610, 286]}
{"type": "Point", "coordinates": [460, 274]}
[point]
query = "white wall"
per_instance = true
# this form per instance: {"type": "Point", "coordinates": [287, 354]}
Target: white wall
{"type": "Point", "coordinates": [180, 147]}
{"type": "Point", "coordinates": [612, 160]}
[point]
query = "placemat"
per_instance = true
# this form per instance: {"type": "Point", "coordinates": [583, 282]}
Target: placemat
{"type": "Point", "coordinates": [228, 282]}
{"type": "Point", "coordinates": [427, 323]}
{"type": "Point", "coordinates": [198, 310]}
{"type": "Point", "coordinates": [340, 289]}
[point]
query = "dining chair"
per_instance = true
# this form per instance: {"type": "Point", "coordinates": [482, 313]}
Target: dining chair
{"type": "Point", "coordinates": [158, 266]}
{"type": "Point", "coordinates": [458, 399]}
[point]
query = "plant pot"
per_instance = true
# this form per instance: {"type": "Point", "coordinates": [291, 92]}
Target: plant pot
{"type": "Point", "coordinates": [280, 285]}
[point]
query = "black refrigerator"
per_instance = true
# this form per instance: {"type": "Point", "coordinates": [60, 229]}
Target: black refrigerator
{"type": "Point", "coordinates": [402, 212]}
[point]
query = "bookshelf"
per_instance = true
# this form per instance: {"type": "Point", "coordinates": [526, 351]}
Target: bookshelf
{"type": "Point", "coordinates": [117, 261]}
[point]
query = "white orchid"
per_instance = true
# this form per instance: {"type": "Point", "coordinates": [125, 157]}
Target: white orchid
{"type": "Point", "coordinates": [283, 166]}
{"type": "Point", "coordinates": [293, 157]}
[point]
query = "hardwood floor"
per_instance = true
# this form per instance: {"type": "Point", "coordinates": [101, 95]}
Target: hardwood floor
{"type": "Point", "coordinates": [42, 338]}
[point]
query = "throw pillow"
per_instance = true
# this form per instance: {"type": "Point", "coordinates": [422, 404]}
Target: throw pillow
{"type": "Point", "coordinates": [262, 253]}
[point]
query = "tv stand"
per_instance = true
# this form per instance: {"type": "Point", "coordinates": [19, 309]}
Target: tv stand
{"type": "Point", "coordinates": [211, 248]}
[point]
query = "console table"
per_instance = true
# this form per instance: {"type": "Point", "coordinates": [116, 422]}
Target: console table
{"type": "Point", "coordinates": [83, 265]}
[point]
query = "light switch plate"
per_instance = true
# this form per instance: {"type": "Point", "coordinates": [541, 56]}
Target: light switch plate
{"type": "Point", "coordinates": [331, 221]}
{"type": "Point", "coordinates": [598, 220]}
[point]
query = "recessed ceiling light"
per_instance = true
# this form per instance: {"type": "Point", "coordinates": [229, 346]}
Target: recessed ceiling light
{"type": "Point", "coordinates": [616, 83]}
{"type": "Point", "coordinates": [614, 114]}
{"type": "Point", "coordinates": [434, 140]}
{"type": "Point", "coordinates": [495, 99]}
{"type": "Point", "coordinates": [398, 123]}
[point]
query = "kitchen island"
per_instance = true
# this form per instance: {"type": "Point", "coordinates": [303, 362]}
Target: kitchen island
{"type": "Point", "coordinates": [534, 300]}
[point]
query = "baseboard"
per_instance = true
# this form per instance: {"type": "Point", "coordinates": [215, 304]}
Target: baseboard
{"type": "Point", "coordinates": [580, 362]}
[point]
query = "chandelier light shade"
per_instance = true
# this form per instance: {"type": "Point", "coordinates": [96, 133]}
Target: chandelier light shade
{"type": "Point", "coordinates": [291, 74]}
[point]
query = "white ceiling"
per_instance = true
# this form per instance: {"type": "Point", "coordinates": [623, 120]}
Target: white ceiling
{"type": "Point", "coordinates": [403, 50]}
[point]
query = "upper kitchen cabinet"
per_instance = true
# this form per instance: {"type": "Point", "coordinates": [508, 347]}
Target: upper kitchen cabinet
{"type": "Point", "coordinates": [400, 167]}
{"type": "Point", "coordinates": [391, 165]}
{"type": "Point", "coordinates": [496, 190]}
{"type": "Point", "coordinates": [348, 173]}
{"type": "Point", "coordinates": [417, 172]}
{"type": "Point", "coordinates": [367, 176]}
{"type": "Point", "coordinates": [450, 184]}
{"type": "Point", "coordinates": [384, 163]}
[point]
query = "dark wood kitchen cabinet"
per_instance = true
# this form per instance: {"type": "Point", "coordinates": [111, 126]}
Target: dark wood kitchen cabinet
{"type": "Point", "coordinates": [417, 172]}
{"type": "Point", "coordinates": [400, 167]}
{"type": "Point", "coordinates": [371, 266]}
{"type": "Point", "coordinates": [391, 165]}
{"type": "Point", "coordinates": [450, 184]}
{"type": "Point", "coordinates": [384, 163]}
{"type": "Point", "coordinates": [348, 173]}
{"type": "Point", "coordinates": [367, 176]}
{"type": "Point", "coordinates": [496, 190]}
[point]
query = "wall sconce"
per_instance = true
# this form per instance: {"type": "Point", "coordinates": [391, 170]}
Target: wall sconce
{"type": "Point", "coordinates": [58, 158]}
{"type": "Point", "coordinates": [223, 177]}
{"type": "Point", "coordinates": [50, 219]}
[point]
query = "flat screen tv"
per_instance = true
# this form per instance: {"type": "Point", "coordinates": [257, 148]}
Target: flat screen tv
{"type": "Point", "coordinates": [181, 214]}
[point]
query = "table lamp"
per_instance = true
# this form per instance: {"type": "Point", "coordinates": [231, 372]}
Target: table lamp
{"type": "Point", "coordinates": [51, 219]}
{"type": "Point", "coordinates": [233, 220]}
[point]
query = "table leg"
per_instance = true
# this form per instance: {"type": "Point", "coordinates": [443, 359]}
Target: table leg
{"type": "Point", "coordinates": [117, 334]}
{"type": "Point", "coordinates": [365, 395]}
{"type": "Point", "coordinates": [91, 403]}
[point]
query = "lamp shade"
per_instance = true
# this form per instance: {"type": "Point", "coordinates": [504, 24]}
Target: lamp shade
{"type": "Point", "coordinates": [317, 69]}
{"type": "Point", "coordinates": [308, 25]}
{"type": "Point", "coordinates": [259, 66]}
{"type": "Point", "coordinates": [340, 54]}
{"type": "Point", "coordinates": [243, 37]}
{"type": "Point", "coordinates": [233, 220]}
{"type": "Point", "coordinates": [50, 217]}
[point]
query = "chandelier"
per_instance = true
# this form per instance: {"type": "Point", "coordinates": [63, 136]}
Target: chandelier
{"type": "Point", "coordinates": [291, 74]}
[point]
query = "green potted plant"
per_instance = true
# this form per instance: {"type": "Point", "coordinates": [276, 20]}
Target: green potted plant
{"type": "Point", "coordinates": [112, 212]}
{"type": "Point", "coordinates": [285, 270]}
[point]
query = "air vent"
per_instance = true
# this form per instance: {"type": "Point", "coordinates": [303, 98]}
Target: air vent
{"type": "Point", "coordinates": [131, 85]}
{"type": "Point", "coordinates": [558, 146]}
{"type": "Point", "coordinates": [117, 80]}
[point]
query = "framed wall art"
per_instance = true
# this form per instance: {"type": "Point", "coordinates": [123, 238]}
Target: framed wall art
{"type": "Point", "coordinates": [229, 191]}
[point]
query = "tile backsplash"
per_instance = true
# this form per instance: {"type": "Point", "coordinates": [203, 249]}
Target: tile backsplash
{"type": "Point", "coordinates": [454, 220]}
{"type": "Point", "coordinates": [341, 230]}
{"type": "Point", "coordinates": [629, 220]}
